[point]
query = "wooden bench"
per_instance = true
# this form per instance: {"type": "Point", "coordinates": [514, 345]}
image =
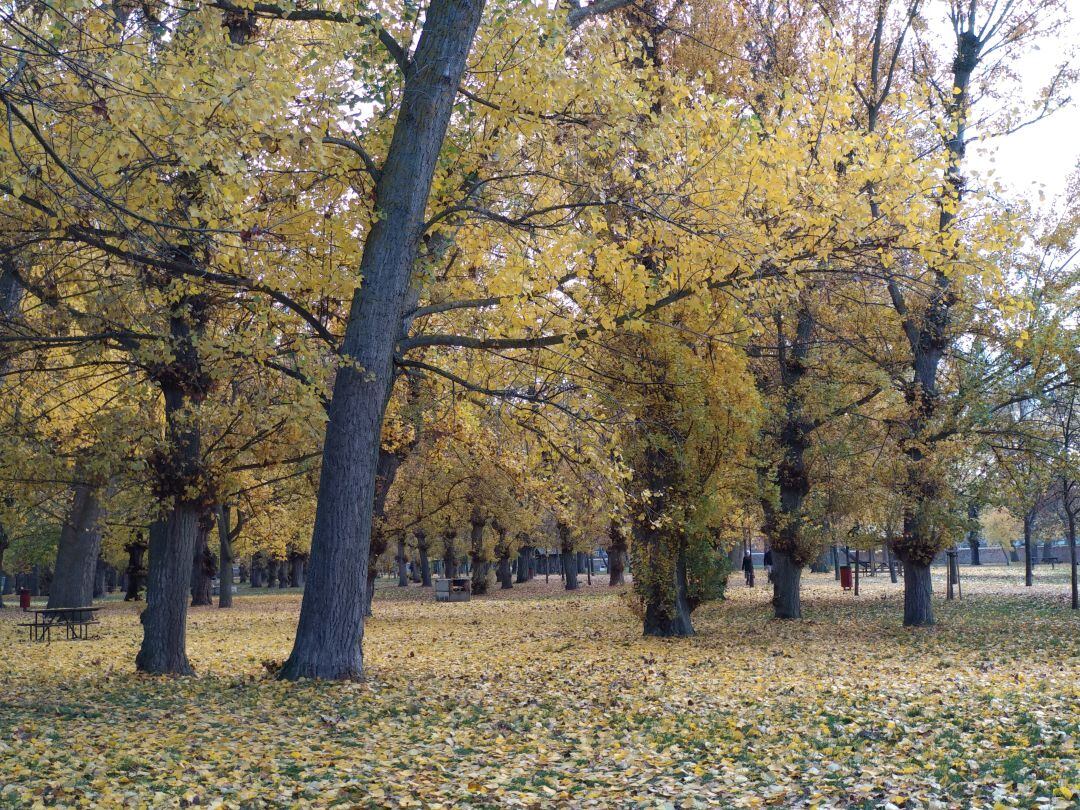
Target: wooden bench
{"type": "Point", "coordinates": [1052, 560]}
{"type": "Point", "coordinates": [75, 621]}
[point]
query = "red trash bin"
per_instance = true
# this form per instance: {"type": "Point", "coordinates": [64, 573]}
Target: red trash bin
{"type": "Point", "coordinates": [845, 577]}
{"type": "Point", "coordinates": [24, 598]}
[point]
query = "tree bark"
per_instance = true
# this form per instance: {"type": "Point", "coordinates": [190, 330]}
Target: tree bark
{"type": "Point", "coordinates": [78, 550]}
{"type": "Point", "coordinates": [478, 554]}
{"type": "Point", "coordinates": [203, 566]}
{"type": "Point", "coordinates": [425, 563]}
{"type": "Point", "coordinates": [786, 590]}
{"type": "Point", "coordinates": [973, 533]}
{"type": "Point", "coordinates": [329, 636]}
{"type": "Point", "coordinates": [524, 564]}
{"type": "Point", "coordinates": [1072, 560]}
{"type": "Point", "coordinates": [225, 594]}
{"type": "Point", "coordinates": [671, 621]}
{"type": "Point", "coordinates": [136, 573]}
{"type": "Point", "coordinates": [505, 576]}
{"type": "Point", "coordinates": [297, 569]}
{"type": "Point", "coordinates": [918, 607]}
{"type": "Point", "coordinates": [172, 548]}
{"type": "Point", "coordinates": [617, 563]}
{"type": "Point", "coordinates": [402, 564]}
{"type": "Point", "coordinates": [1029, 520]}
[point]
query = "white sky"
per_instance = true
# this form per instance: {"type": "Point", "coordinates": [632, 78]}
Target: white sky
{"type": "Point", "coordinates": [1044, 154]}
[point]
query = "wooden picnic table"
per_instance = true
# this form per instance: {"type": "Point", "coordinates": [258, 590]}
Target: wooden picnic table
{"type": "Point", "coordinates": [75, 621]}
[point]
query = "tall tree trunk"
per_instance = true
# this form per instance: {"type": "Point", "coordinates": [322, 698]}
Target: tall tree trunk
{"type": "Point", "coordinates": [225, 578]}
{"type": "Point", "coordinates": [78, 549]}
{"type": "Point", "coordinates": [1029, 520]}
{"type": "Point", "coordinates": [973, 532]}
{"type": "Point", "coordinates": [203, 566]}
{"type": "Point", "coordinates": [568, 557]}
{"type": "Point", "coordinates": [402, 564]}
{"type": "Point", "coordinates": [297, 569]}
{"type": "Point", "coordinates": [329, 636]}
{"type": "Point", "coordinates": [505, 575]}
{"type": "Point", "coordinates": [617, 562]}
{"type": "Point", "coordinates": [172, 548]}
{"type": "Point", "coordinates": [101, 575]}
{"type": "Point", "coordinates": [478, 554]}
{"type": "Point", "coordinates": [449, 555]}
{"type": "Point", "coordinates": [1071, 522]}
{"type": "Point", "coordinates": [425, 563]}
{"type": "Point", "coordinates": [136, 572]}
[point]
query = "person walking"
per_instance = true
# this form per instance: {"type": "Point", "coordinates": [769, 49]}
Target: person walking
{"type": "Point", "coordinates": [767, 562]}
{"type": "Point", "coordinates": [748, 568]}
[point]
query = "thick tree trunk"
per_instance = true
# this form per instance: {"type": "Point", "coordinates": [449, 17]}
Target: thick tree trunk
{"type": "Point", "coordinates": [298, 569]}
{"type": "Point", "coordinates": [524, 564]}
{"type": "Point", "coordinates": [172, 548]}
{"type": "Point", "coordinates": [786, 601]}
{"type": "Point", "coordinates": [671, 621]}
{"type": "Point", "coordinates": [203, 567]}
{"type": "Point", "coordinates": [505, 576]}
{"type": "Point", "coordinates": [225, 594]}
{"type": "Point", "coordinates": [918, 607]}
{"type": "Point", "coordinates": [478, 554]}
{"type": "Point", "coordinates": [617, 563]}
{"type": "Point", "coordinates": [329, 636]}
{"type": "Point", "coordinates": [570, 570]}
{"type": "Point", "coordinates": [78, 549]}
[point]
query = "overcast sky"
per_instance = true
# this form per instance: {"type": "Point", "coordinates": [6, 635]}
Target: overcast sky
{"type": "Point", "coordinates": [1045, 153]}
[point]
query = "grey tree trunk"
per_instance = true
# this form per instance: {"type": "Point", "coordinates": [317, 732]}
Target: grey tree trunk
{"type": "Point", "coordinates": [425, 562]}
{"type": "Point", "coordinates": [225, 593]}
{"type": "Point", "coordinates": [973, 533]}
{"type": "Point", "coordinates": [504, 574]}
{"type": "Point", "coordinates": [402, 564]}
{"type": "Point", "coordinates": [1072, 561]}
{"type": "Point", "coordinates": [78, 549]}
{"type": "Point", "coordinates": [329, 636]}
{"type": "Point", "coordinates": [786, 586]}
{"type": "Point", "coordinates": [1029, 520]}
{"type": "Point", "coordinates": [203, 566]}
{"type": "Point", "coordinates": [172, 547]}
{"type": "Point", "coordinates": [297, 569]}
{"type": "Point", "coordinates": [918, 608]}
{"type": "Point", "coordinates": [524, 565]}
{"type": "Point", "coordinates": [617, 563]}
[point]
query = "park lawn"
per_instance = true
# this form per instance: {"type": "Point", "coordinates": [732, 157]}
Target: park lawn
{"type": "Point", "coordinates": [541, 699]}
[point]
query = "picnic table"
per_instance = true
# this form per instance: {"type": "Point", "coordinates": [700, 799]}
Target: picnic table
{"type": "Point", "coordinates": [75, 621]}
{"type": "Point", "coordinates": [453, 589]}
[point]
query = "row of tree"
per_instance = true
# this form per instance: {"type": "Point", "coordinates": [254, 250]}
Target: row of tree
{"type": "Point", "coordinates": [324, 279]}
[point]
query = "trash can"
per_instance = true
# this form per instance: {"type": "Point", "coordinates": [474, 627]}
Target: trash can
{"type": "Point", "coordinates": [845, 577]}
{"type": "Point", "coordinates": [24, 598]}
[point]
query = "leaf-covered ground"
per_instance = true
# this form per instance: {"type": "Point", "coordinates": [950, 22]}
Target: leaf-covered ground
{"type": "Point", "coordinates": [548, 700]}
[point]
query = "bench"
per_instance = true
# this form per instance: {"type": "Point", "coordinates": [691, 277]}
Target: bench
{"type": "Point", "coordinates": [1052, 560]}
{"type": "Point", "coordinates": [75, 621]}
